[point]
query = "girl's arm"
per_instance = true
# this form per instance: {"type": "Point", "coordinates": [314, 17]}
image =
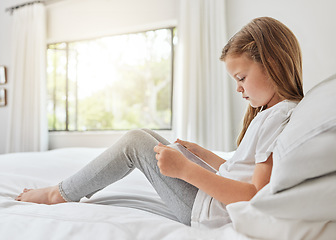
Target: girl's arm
{"type": "Point", "coordinates": [212, 159]}
{"type": "Point", "coordinates": [227, 190]}
{"type": "Point", "coordinates": [173, 164]}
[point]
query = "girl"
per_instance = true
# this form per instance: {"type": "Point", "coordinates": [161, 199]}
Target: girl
{"type": "Point", "coordinates": [264, 59]}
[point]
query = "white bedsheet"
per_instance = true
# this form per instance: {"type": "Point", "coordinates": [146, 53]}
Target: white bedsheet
{"type": "Point", "coordinates": [128, 209]}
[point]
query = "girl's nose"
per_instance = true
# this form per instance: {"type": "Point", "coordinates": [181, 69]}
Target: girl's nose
{"type": "Point", "coordinates": [240, 88]}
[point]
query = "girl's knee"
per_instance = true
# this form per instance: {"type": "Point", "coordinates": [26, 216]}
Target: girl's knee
{"type": "Point", "coordinates": [138, 140]}
{"type": "Point", "coordinates": [146, 130]}
{"type": "Point", "coordinates": [136, 135]}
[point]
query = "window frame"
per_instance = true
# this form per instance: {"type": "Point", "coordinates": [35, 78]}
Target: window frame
{"type": "Point", "coordinates": [173, 35]}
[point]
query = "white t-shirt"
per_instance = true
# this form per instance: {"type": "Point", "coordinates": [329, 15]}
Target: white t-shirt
{"type": "Point", "coordinates": [256, 147]}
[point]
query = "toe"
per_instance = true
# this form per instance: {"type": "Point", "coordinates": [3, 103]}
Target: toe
{"type": "Point", "coordinates": [18, 198]}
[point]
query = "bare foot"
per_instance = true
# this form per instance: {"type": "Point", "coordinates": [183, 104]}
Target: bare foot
{"type": "Point", "coordinates": [49, 195]}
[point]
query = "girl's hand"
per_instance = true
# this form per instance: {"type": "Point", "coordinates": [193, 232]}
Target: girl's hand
{"type": "Point", "coordinates": [208, 156]}
{"type": "Point", "coordinates": [171, 162]}
{"type": "Point", "coordinates": [192, 147]}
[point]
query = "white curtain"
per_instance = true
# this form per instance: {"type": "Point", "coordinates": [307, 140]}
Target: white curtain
{"type": "Point", "coordinates": [28, 120]}
{"type": "Point", "coordinates": [202, 91]}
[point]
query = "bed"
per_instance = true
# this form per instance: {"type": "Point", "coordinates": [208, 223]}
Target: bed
{"type": "Point", "coordinates": [128, 209]}
{"type": "Point", "coordinates": [298, 203]}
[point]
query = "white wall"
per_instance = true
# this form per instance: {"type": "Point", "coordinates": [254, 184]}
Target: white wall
{"type": "Point", "coordinates": [82, 19]}
{"type": "Point", "coordinates": [313, 22]}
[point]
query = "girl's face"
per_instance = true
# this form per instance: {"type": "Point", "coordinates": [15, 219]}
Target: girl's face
{"type": "Point", "coordinates": [252, 81]}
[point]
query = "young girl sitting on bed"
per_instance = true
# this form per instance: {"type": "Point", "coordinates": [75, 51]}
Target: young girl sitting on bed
{"type": "Point", "coordinates": [264, 58]}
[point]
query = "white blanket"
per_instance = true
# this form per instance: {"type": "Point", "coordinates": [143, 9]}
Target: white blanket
{"type": "Point", "coordinates": [128, 209]}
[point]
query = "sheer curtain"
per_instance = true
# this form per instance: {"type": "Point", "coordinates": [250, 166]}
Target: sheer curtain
{"type": "Point", "coordinates": [28, 120]}
{"type": "Point", "coordinates": [202, 91]}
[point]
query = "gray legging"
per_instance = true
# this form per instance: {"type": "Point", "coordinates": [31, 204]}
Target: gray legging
{"type": "Point", "coordinates": [133, 150]}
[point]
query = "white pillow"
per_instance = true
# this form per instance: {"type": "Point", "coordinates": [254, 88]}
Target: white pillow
{"type": "Point", "coordinates": [307, 146]}
{"type": "Point", "coordinates": [259, 225]}
{"type": "Point", "coordinates": [312, 200]}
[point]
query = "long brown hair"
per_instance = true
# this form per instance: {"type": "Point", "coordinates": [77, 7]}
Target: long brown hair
{"type": "Point", "coordinates": [269, 42]}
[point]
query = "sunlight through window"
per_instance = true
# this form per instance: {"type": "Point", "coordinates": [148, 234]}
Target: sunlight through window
{"type": "Point", "coordinates": [112, 83]}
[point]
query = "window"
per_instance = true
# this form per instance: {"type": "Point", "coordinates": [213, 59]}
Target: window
{"type": "Point", "coordinates": [111, 83]}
